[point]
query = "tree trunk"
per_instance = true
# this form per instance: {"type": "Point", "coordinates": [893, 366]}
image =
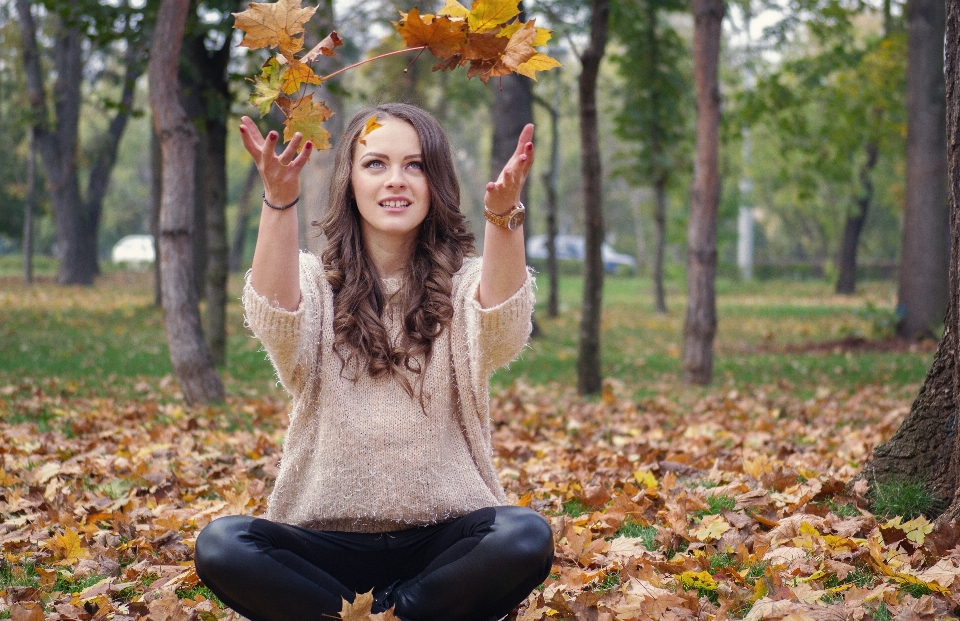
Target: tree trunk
{"type": "Point", "coordinates": [550, 185]}
{"type": "Point", "coordinates": [925, 255]}
{"type": "Point", "coordinates": [191, 359]}
{"type": "Point", "coordinates": [244, 203]}
{"type": "Point", "coordinates": [588, 354]}
{"type": "Point", "coordinates": [660, 218]}
{"type": "Point", "coordinates": [700, 325]}
{"type": "Point", "coordinates": [927, 446]}
{"type": "Point", "coordinates": [217, 250]}
{"type": "Point", "coordinates": [847, 259]}
{"type": "Point", "coordinates": [28, 209]}
{"type": "Point", "coordinates": [156, 196]}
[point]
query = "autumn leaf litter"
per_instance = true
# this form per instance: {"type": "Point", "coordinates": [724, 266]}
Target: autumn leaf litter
{"type": "Point", "coordinates": [729, 505]}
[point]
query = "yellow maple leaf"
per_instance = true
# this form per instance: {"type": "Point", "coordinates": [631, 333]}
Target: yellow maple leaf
{"type": "Point", "coordinates": [270, 24]}
{"type": "Point", "coordinates": [645, 478]}
{"type": "Point", "coordinates": [486, 15]}
{"type": "Point", "coordinates": [454, 9]}
{"type": "Point", "coordinates": [306, 117]}
{"type": "Point", "coordinates": [712, 528]}
{"type": "Point", "coordinates": [917, 529]}
{"type": "Point", "coordinates": [537, 62]}
{"type": "Point", "coordinates": [700, 580]}
{"type": "Point", "coordinates": [359, 610]}
{"type": "Point", "coordinates": [369, 127]}
{"type": "Point", "coordinates": [67, 548]}
{"type": "Point", "coordinates": [296, 75]}
{"type": "Point", "coordinates": [543, 34]}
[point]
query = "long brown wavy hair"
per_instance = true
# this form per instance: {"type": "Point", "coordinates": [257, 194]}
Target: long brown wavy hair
{"type": "Point", "coordinates": [360, 337]}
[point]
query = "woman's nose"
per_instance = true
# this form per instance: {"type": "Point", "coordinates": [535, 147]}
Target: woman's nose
{"type": "Point", "coordinates": [395, 177]}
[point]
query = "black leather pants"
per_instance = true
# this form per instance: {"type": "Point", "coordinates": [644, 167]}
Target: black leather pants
{"type": "Point", "coordinates": [474, 568]}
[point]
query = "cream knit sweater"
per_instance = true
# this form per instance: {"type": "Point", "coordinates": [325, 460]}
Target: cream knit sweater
{"type": "Point", "coordinates": [363, 456]}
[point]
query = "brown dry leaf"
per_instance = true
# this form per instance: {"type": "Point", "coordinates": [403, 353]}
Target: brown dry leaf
{"type": "Point", "coordinates": [326, 47]}
{"type": "Point", "coordinates": [270, 24]}
{"type": "Point", "coordinates": [444, 37]}
{"type": "Point", "coordinates": [27, 611]}
{"type": "Point", "coordinates": [359, 610]}
{"type": "Point", "coordinates": [168, 607]}
{"type": "Point", "coordinates": [518, 51]}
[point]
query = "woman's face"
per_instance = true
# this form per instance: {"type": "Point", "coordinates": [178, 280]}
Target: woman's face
{"type": "Point", "coordinates": [389, 183]}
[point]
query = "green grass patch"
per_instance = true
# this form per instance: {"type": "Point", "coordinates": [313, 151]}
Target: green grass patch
{"type": "Point", "coordinates": [906, 498]}
{"type": "Point", "coordinates": [722, 560]}
{"type": "Point", "coordinates": [575, 508]}
{"type": "Point", "coordinates": [199, 589]}
{"type": "Point", "coordinates": [879, 612]}
{"type": "Point", "coordinates": [648, 533]}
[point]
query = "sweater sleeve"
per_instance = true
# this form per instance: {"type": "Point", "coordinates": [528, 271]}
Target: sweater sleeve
{"type": "Point", "coordinates": [502, 330]}
{"type": "Point", "coordinates": [289, 337]}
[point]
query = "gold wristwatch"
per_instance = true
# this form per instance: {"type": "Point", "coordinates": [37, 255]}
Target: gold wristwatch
{"type": "Point", "coordinates": [510, 220]}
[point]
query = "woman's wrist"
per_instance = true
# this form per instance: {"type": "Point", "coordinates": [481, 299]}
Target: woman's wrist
{"type": "Point", "coordinates": [279, 199]}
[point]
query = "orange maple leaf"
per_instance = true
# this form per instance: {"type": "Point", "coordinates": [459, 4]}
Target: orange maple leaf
{"type": "Point", "coordinates": [296, 75]}
{"type": "Point", "coordinates": [369, 127]}
{"type": "Point", "coordinates": [443, 36]}
{"type": "Point", "coordinates": [272, 24]}
{"type": "Point", "coordinates": [484, 46]}
{"type": "Point", "coordinates": [519, 48]}
{"type": "Point", "coordinates": [306, 117]}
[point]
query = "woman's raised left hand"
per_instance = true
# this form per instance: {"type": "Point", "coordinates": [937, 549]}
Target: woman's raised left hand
{"type": "Point", "coordinates": [503, 194]}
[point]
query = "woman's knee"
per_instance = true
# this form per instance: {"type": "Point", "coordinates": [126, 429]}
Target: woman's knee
{"type": "Point", "coordinates": [218, 545]}
{"type": "Point", "coordinates": [529, 535]}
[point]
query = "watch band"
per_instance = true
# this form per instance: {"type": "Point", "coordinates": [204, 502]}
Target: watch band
{"type": "Point", "coordinates": [510, 220]}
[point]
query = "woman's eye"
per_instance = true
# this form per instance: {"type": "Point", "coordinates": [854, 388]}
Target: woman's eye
{"type": "Point", "coordinates": [416, 165]}
{"type": "Point", "coordinates": [373, 164]}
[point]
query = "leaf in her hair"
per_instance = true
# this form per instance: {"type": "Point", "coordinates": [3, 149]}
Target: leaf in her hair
{"type": "Point", "coordinates": [369, 127]}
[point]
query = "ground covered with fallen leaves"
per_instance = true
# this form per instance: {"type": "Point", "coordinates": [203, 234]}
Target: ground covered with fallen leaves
{"type": "Point", "coordinates": [723, 504]}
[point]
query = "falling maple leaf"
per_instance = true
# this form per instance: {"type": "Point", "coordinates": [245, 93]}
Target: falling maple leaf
{"type": "Point", "coordinates": [486, 15]}
{"type": "Point", "coordinates": [325, 48]}
{"type": "Point", "coordinates": [296, 75]}
{"type": "Point", "coordinates": [519, 48]}
{"type": "Point", "coordinates": [266, 86]}
{"type": "Point", "coordinates": [273, 24]}
{"type": "Point", "coordinates": [443, 36]}
{"type": "Point", "coordinates": [370, 125]}
{"type": "Point", "coordinates": [307, 117]}
{"type": "Point", "coordinates": [454, 9]}
{"type": "Point", "coordinates": [537, 62]}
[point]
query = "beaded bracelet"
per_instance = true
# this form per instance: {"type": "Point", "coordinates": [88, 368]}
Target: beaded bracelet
{"type": "Point", "coordinates": [279, 207]}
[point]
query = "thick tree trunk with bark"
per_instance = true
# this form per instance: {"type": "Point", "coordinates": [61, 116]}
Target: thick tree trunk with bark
{"type": "Point", "coordinates": [925, 254]}
{"type": "Point", "coordinates": [853, 227]}
{"type": "Point", "coordinates": [588, 354]}
{"type": "Point", "coordinates": [700, 324]}
{"type": "Point", "coordinates": [156, 196]}
{"type": "Point", "coordinates": [927, 446]}
{"type": "Point", "coordinates": [192, 362]}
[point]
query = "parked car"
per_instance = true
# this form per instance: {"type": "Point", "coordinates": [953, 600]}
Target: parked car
{"type": "Point", "coordinates": [573, 247]}
{"type": "Point", "coordinates": [135, 249]}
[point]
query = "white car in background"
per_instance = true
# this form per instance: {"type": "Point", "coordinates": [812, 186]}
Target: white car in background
{"type": "Point", "coordinates": [573, 247]}
{"type": "Point", "coordinates": [135, 249]}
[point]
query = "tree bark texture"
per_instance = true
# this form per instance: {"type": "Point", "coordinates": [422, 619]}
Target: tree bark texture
{"type": "Point", "coordinates": [512, 109]}
{"type": "Point", "coordinates": [700, 324]}
{"type": "Point", "coordinates": [550, 186]}
{"type": "Point", "coordinates": [926, 447]}
{"type": "Point", "coordinates": [588, 354]}
{"type": "Point", "coordinates": [853, 227]}
{"type": "Point", "coordinates": [28, 201]}
{"type": "Point", "coordinates": [156, 196]}
{"type": "Point", "coordinates": [925, 253]}
{"type": "Point", "coordinates": [192, 362]}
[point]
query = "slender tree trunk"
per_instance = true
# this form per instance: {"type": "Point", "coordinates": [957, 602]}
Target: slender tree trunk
{"type": "Point", "coordinates": [192, 363]}
{"type": "Point", "coordinates": [588, 356]}
{"type": "Point", "coordinates": [550, 185]}
{"type": "Point", "coordinates": [660, 218]}
{"type": "Point", "coordinates": [156, 196]}
{"type": "Point", "coordinates": [244, 203]}
{"type": "Point", "coordinates": [847, 259]}
{"type": "Point", "coordinates": [925, 255]}
{"type": "Point", "coordinates": [700, 325]}
{"type": "Point", "coordinates": [926, 448]}
{"type": "Point", "coordinates": [28, 209]}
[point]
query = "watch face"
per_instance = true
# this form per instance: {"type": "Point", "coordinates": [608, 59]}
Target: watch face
{"type": "Point", "coordinates": [516, 219]}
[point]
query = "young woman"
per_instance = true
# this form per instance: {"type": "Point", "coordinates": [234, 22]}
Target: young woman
{"type": "Point", "coordinates": [386, 344]}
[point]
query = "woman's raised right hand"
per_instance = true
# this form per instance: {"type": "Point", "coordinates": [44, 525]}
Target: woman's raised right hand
{"type": "Point", "coordinates": [280, 173]}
